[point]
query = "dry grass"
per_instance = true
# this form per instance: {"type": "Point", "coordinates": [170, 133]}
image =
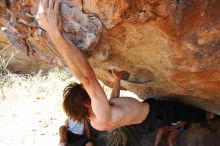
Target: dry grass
{"type": "Point", "coordinates": [30, 108]}
{"type": "Point", "coordinates": [4, 60]}
{"type": "Point", "coordinates": [25, 85]}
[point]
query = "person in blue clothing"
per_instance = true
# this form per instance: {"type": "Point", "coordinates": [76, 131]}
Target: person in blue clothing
{"type": "Point", "coordinates": [75, 133]}
{"type": "Point", "coordinates": [173, 130]}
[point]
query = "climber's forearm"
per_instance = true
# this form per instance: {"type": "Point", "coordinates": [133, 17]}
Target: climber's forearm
{"type": "Point", "coordinates": [116, 89]}
{"type": "Point", "coordinates": [74, 58]}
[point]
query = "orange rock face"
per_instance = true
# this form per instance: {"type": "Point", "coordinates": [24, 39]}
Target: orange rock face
{"type": "Point", "coordinates": [164, 46]}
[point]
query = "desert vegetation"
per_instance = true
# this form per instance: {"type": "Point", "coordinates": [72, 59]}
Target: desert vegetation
{"type": "Point", "coordinates": [30, 107]}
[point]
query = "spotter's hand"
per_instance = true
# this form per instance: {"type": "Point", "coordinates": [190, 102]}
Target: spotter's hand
{"type": "Point", "coordinates": [48, 16]}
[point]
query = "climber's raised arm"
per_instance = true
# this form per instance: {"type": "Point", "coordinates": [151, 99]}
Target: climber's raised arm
{"type": "Point", "coordinates": [49, 19]}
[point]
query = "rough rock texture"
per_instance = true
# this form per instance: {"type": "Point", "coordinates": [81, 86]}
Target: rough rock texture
{"type": "Point", "coordinates": [24, 33]}
{"type": "Point", "coordinates": [18, 62]}
{"type": "Point", "coordinates": [164, 46]}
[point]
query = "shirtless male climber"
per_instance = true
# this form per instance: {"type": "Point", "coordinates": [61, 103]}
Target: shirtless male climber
{"type": "Point", "coordinates": [90, 101]}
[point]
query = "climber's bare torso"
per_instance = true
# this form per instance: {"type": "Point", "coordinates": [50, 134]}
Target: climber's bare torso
{"type": "Point", "coordinates": [133, 112]}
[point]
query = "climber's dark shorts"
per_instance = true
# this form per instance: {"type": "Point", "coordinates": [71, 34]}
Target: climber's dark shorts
{"type": "Point", "coordinates": [163, 113]}
{"type": "Point", "coordinates": [76, 140]}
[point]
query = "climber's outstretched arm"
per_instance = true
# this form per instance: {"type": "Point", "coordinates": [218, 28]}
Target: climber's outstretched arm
{"type": "Point", "coordinates": [49, 19]}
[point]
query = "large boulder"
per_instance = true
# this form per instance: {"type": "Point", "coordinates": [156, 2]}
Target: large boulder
{"type": "Point", "coordinates": [163, 46]}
